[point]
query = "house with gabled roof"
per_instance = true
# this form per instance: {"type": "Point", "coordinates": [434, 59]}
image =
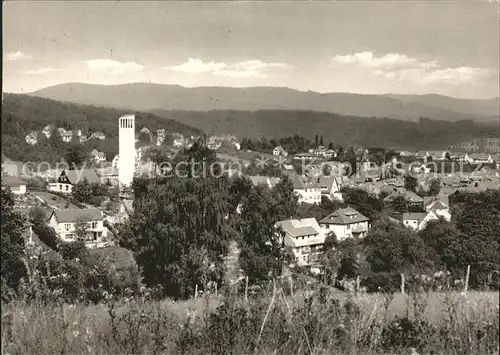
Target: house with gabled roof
{"type": "Point", "coordinates": [330, 187]}
{"type": "Point", "coordinates": [66, 222]}
{"type": "Point", "coordinates": [418, 220]}
{"type": "Point", "coordinates": [68, 178]}
{"type": "Point", "coordinates": [308, 190]}
{"type": "Point", "coordinates": [346, 223]}
{"type": "Point", "coordinates": [17, 186]}
{"type": "Point", "coordinates": [32, 138]}
{"type": "Point", "coordinates": [264, 180]}
{"type": "Point", "coordinates": [304, 237]}
{"type": "Point", "coordinates": [412, 198]}
{"type": "Point", "coordinates": [280, 151]}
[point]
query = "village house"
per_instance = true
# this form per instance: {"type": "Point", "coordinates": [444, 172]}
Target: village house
{"type": "Point", "coordinates": [330, 187]}
{"type": "Point", "coordinates": [32, 138]}
{"type": "Point", "coordinates": [68, 178]}
{"type": "Point", "coordinates": [280, 151]}
{"type": "Point", "coordinates": [439, 205]}
{"type": "Point", "coordinates": [305, 238]}
{"type": "Point", "coordinates": [67, 136]}
{"type": "Point", "coordinates": [97, 135]}
{"type": "Point", "coordinates": [17, 186]}
{"type": "Point", "coordinates": [412, 198]}
{"type": "Point", "coordinates": [345, 223]}
{"type": "Point", "coordinates": [66, 223]}
{"type": "Point", "coordinates": [478, 158]}
{"type": "Point", "coordinates": [47, 130]}
{"type": "Point", "coordinates": [264, 180]}
{"type": "Point", "coordinates": [98, 157]}
{"type": "Point", "coordinates": [330, 153]}
{"type": "Point", "coordinates": [320, 151]}
{"type": "Point", "coordinates": [160, 136]}
{"type": "Point", "coordinates": [178, 140]}
{"type": "Point", "coordinates": [307, 190]}
{"type": "Point", "coordinates": [304, 156]}
{"type": "Point", "coordinates": [418, 220]}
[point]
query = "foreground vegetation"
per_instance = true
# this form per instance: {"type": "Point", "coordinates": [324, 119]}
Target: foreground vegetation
{"type": "Point", "coordinates": [323, 323]}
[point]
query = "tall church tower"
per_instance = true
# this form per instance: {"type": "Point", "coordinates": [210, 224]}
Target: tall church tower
{"type": "Point", "coordinates": [126, 129]}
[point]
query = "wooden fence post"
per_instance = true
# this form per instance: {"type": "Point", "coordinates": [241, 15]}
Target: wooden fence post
{"type": "Point", "coordinates": [246, 288]}
{"type": "Point", "coordinates": [402, 284]}
{"type": "Point", "coordinates": [196, 291]}
{"type": "Point", "coordinates": [467, 279]}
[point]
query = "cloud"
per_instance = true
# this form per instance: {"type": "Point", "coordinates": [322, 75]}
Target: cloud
{"type": "Point", "coordinates": [242, 70]}
{"type": "Point", "coordinates": [40, 71]}
{"type": "Point", "coordinates": [400, 67]}
{"type": "Point", "coordinates": [12, 56]}
{"type": "Point", "coordinates": [109, 66]}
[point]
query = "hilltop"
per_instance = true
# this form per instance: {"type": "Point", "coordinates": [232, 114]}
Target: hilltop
{"type": "Point", "coordinates": [22, 114]}
{"type": "Point", "coordinates": [148, 96]}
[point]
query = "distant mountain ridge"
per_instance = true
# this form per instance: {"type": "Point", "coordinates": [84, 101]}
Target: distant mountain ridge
{"type": "Point", "coordinates": [148, 96]}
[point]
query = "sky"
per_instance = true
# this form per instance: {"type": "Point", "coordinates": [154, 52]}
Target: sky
{"type": "Point", "coordinates": [448, 48]}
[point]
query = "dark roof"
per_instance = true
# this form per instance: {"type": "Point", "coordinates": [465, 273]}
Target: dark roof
{"type": "Point", "coordinates": [73, 215]}
{"type": "Point", "coordinates": [76, 176]}
{"type": "Point", "coordinates": [407, 195]}
{"type": "Point", "coordinates": [12, 181]}
{"type": "Point", "coordinates": [344, 216]}
{"type": "Point", "coordinates": [412, 216]}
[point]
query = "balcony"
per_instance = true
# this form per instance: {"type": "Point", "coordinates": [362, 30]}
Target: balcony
{"type": "Point", "coordinates": [359, 229]}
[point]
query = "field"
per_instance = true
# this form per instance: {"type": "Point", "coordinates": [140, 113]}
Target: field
{"type": "Point", "coordinates": [53, 201]}
{"type": "Point", "coordinates": [438, 323]}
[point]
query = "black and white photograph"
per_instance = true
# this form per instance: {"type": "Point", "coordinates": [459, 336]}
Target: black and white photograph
{"type": "Point", "coordinates": [250, 177]}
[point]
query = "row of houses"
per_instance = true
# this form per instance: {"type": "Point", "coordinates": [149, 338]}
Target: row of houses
{"type": "Point", "coordinates": [306, 237]}
{"type": "Point", "coordinates": [319, 152]}
{"type": "Point", "coordinates": [66, 135]}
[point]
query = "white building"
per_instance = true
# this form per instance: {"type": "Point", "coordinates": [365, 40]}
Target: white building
{"type": "Point", "coordinates": [418, 220]}
{"type": "Point", "coordinates": [330, 188]}
{"type": "Point", "coordinates": [345, 223]}
{"type": "Point", "coordinates": [308, 190]}
{"type": "Point", "coordinates": [126, 149]}
{"type": "Point", "coordinates": [68, 178]}
{"type": "Point", "coordinates": [280, 151]}
{"type": "Point", "coordinates": [17, 186]}
{"type": "Point", "coordinates": [305, 238]}
{"type": "Point", "coordinates": [65, 223]}
{"type": "Point", "coordinates": [32, 138]}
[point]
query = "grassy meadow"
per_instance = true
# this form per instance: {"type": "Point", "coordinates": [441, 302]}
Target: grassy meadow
{"type": "Point", "coordinates": [275, 323]}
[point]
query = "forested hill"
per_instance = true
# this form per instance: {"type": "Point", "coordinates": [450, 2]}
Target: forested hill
{"type": "Point", "coordinates": [22, 114]}
{"type": "Point", "coordinates": [148, 96]}
{"type": "Point", "coordinates": [340, 129]}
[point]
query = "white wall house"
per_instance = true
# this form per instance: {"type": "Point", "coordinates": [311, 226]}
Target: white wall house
{"type": "Point", "coordinates": [307, 190]}
{"type": "Point", "coordinates": [418, 220]}
{"type": "Point", "coordinates": [65, 224]}
{"type": "Point", "coordinates": [68, 178]}
{"type": "Point", "coordinates": [280, 151]}
{"type": "Point", "coordinates": [17, 186]}
{"type": "Point", "coordinates": [305, 238]}
{"type": "Point", "coordinates": [345, 223]}
{"type": "Point", "coordinates": [330, 188]}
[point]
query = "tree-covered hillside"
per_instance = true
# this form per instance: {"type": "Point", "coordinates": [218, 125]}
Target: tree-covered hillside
{"type": "Point", "coordinates": [22, 114]}
{"type": "Point", "coordinates": [341, 129]}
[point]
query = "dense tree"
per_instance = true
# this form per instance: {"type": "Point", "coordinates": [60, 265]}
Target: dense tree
{"type": "Point", "coordinates": [392, 249]}
{"type": "Point", "coordinates": [435, 187]}
{"type": "Point", "coordinates": [76, 156]}
{"type": "Point", "coordinates": [13, 228]}
{"type": "Point", "coordinates": [411, 183]}
{"type": "Point", "coordinates": [366, 204]}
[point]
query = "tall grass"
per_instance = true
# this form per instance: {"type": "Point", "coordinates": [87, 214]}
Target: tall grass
{"type": "Point", "coordinates": [323, 323]}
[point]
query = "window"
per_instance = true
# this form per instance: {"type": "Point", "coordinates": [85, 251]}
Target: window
{"type": "Point", "coordinates": [94, 225]}
{"type": "Point", "coordinates": [348, 226]}
{"type": "Point", "coordinates": [67, 187]}
{"type": "Point", "coordinates": [60, 187]}
{"type": "Point", "coordinates": [67, 226]}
